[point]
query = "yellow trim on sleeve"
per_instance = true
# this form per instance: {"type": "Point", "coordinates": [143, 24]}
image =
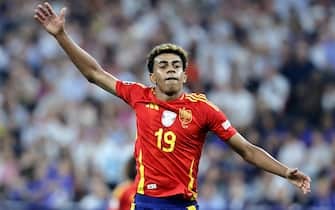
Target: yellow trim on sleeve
{"type": "Point", "coordinates": [196, 98]}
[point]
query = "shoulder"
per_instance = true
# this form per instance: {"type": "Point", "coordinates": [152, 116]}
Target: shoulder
{"type": "Point", "coordinates": [134, 87]}
{"type": "Point", "coordinates": [200, 100]}
{"type": "Point", "coordinates": [131, 91]}
{"type": "Point", "coordinates": [129, 83]}
{"type": "Point", "coordinates": [195, 97]}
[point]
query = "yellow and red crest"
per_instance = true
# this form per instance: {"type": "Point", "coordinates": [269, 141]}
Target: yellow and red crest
{"type": "Point", "coordinates": [185, 117]}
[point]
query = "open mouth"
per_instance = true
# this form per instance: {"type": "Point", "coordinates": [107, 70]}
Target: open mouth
{"type": "Point", "coordinates": [172, 78]}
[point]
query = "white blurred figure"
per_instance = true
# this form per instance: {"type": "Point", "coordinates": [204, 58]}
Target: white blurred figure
{"type": "Point", "coordinates": [292, 153]}
{"type": "Point", "coordinates": [319, 156]}
{"type": "Point", "coordinates": [71, 85]}
{"type": "Point", "coordinates": [4, 60]}
{"type": "Point", "coordinates": [236, 102]}
{"type": "Point", "coordinates": [258, 190]}
{"type": "Point", "coordinates": [98, 196]}
{"type": "Point", "coordinates": [237, 191]}
{"type": "Point", "coordinates": [212, 154]}
{"type": "Point", "coordinates": [210, 198]}
{"type": "Point", "coordinates": [274, 91]}
{"type": "Point", "coordinates": [110, 159]}
{"type": "Point", "coordinates": [283, 6]}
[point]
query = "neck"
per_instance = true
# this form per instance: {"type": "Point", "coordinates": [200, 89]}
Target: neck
{"type": "Point", "coordinates": [164, 97]}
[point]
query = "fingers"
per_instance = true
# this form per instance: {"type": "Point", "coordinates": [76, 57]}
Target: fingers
{"type": "Point", "coordinates": [39, 16]}
{"type": "Point", "coordinates": [47, 17]}
{"type": "Point", "coordinates": [306, 188]}
{"type": "Point", "coordinates": [43, 10]}
{"type": "Point", "coordinates": [62, 13]}
{"type": "Point", "coordinates": [49, 8]}
{"type": "Point", "coordinates": [299, 179]}
{"type": "Point", "coordinates": [38, 19]}
{"type": "Point", "coordinates": [306, 184]}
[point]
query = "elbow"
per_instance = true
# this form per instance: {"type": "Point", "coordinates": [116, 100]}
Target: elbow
{"type": "Point", "coordinates": [90, 79]}
{"type": "Point", "coordinates": [90, 76]}
{"type": "Point", "coordinates": [249, 153]}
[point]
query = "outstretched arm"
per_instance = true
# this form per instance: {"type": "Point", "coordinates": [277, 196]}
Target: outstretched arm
{"type": "Point", "coordinates": [87, 65]}
{"type": "Point", "coordinates": [257, 156]}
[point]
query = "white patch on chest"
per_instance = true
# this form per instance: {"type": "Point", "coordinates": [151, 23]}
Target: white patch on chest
{"type": "Point", "coordinates": [168, 118]}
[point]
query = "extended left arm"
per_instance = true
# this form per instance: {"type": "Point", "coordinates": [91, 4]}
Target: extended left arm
{"type": "Point", "coordinates": [257, 156]}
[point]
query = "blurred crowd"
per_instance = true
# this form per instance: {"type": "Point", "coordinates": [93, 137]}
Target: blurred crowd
{"type": "Point", "coordinates": [268, 64]}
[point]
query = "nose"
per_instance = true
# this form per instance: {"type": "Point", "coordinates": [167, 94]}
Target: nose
{"type": "Point", "coordinates": [171, 70]}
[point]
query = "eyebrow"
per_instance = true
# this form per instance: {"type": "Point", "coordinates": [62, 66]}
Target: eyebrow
{"type": "Point", "coordinates": [166, 62]}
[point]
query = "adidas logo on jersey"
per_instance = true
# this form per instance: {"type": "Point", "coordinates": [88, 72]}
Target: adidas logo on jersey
{"type": "Point", "coordinates": [152, 106]}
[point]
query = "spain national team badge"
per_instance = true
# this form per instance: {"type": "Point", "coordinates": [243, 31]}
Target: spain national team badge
{"type": "Point", "coordinates": [168, 118]}
{"type": "Point", "coordinates": [185, 117]}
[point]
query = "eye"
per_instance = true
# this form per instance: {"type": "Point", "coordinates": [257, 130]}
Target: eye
{"type": "Point", "coordinates": [162, 66]}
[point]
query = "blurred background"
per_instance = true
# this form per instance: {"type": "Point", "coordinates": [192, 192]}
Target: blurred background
{"type": "Point", "coordinates": [268, 64]}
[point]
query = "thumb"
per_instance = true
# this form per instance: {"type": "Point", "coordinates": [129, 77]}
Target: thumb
{"type": "Point", "coordinates": [62, 13]}
{"type": "Point", "coordinates": [292, 172]}
{"type": "Point", "coordinates": [295, 170]}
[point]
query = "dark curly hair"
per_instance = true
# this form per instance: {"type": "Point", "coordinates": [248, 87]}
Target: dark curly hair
{"type": "Point", "coordinates": [166, 48]}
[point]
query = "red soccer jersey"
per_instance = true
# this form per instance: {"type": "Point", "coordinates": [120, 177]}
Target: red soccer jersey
{"type": "Point", "coordinates": [170, 137]}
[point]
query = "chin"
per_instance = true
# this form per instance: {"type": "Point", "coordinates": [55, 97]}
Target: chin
{"type": "Point", "coordinates": [171, 91]}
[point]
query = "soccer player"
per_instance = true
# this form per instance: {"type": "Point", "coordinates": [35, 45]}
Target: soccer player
{"type": "Point", "coordinates": [171, 124]}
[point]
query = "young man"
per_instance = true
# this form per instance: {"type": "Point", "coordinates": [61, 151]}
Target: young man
{"type": "Point", "coordinates": [171, 125]}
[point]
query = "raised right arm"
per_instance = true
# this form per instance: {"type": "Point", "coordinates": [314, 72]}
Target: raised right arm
{"type": "Point", "coordinates": [85, 63]}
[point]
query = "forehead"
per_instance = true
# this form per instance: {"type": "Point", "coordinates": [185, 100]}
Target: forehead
{"type": "Point", "coordinates": [167, 57]}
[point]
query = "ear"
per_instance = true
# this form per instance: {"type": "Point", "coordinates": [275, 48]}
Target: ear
{"type": "Point", "coordinates": [185, 77]}
{"type": "Point", "coordinates": [153, 78]}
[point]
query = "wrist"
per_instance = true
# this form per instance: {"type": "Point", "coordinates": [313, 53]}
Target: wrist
{"type": "Point", "coordinates": [287, 173]}
{"type": "Point", "coordinates": [61, 34]}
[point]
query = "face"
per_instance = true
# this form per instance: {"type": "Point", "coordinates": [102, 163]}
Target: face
{"type": "Point", "coordinates": [168, 74]}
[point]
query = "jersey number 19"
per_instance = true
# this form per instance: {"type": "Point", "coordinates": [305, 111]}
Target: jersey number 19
{"type": "Point", "coordinates": [168, 138]}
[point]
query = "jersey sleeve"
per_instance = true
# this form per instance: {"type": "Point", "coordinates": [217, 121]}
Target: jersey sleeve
{"type": "Point", "coordinates": [130, 92]}
{"type": "Point", "coordinates": [218, 122]}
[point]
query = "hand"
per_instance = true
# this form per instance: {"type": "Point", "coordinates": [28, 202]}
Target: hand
{"type": "Point", "coordinates": [47, 17]}
{"type": "Point", "coordinates": [299, 179]}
